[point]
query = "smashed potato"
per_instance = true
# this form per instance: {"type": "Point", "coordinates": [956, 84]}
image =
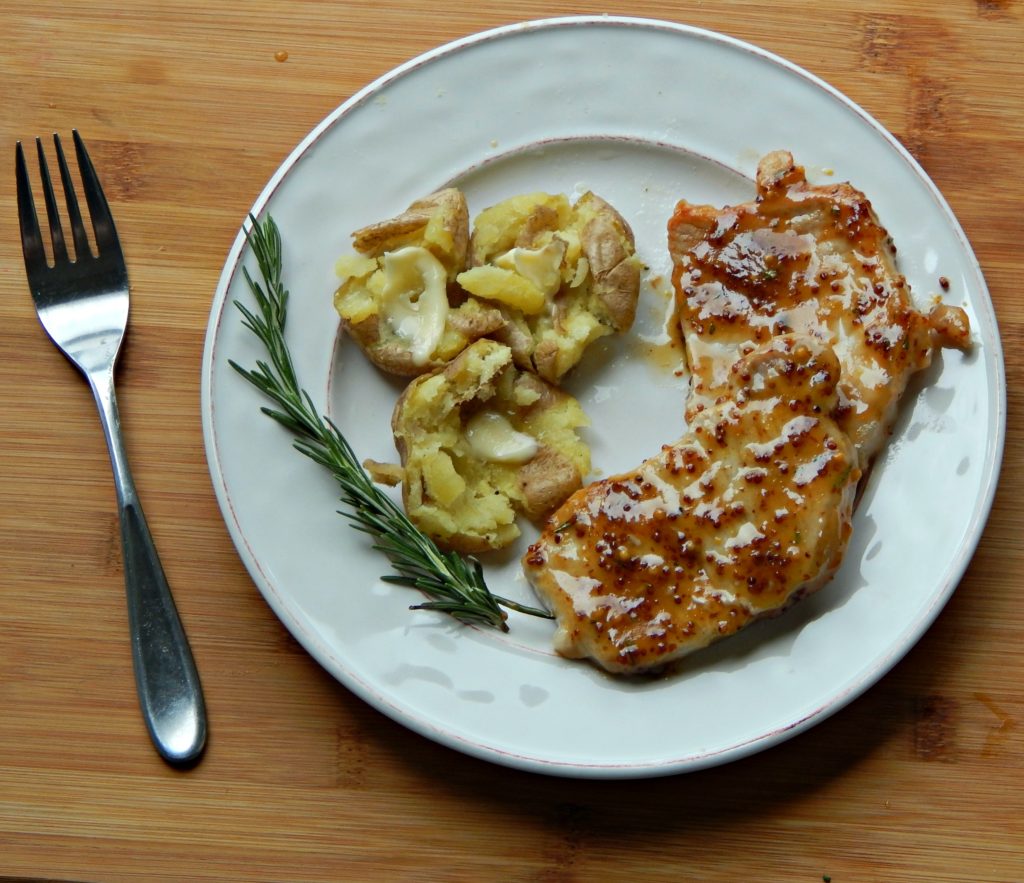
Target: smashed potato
{"type": "Point", "coordinates": [393, 297]}
{"type": "Point", "coordinates": [481, 441]}
{"type": "Point", "coordinates": [562, 275]}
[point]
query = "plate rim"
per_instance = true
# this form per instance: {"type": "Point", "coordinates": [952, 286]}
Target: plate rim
{"type": "Point", "coordinates": [914, 629]}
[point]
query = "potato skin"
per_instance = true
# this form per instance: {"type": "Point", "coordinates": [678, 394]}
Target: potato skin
{"type": "Point", "coordinates": [610, 247]}
{"type": "Point", "coordinates": [546, 482]}
{"type": "Point", "coordinates": [438, 222]}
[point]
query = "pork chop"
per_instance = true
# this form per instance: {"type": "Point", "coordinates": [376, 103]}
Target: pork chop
{"type": "Point", "coordinates": [745, 514]}
{"type": "Point", "coordinates": [807, 259]}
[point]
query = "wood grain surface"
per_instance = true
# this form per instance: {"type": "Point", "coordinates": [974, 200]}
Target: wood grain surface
{"type": "Point", "coordinates": [188, 108]}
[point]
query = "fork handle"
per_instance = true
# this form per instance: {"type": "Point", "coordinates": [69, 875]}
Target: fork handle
{"type": "Point", "coordinates": [166, 678]}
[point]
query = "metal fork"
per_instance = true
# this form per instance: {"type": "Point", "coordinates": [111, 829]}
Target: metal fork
{"type": "Point", "coordinates": [83, 305]}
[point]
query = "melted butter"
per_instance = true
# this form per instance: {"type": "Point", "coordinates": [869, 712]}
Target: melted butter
{"type": "Point", "coordinates": [540, 266]}
{"type": "Point", "coordinates": [414, 300]}
{"type": "Point", "coordinates": [492, 438]}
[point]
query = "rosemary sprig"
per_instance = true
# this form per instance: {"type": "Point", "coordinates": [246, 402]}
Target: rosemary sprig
{"type": "Point", "coordinates": [454, 585]}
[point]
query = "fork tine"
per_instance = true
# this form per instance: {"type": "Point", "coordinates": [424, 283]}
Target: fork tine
{"type": "Point", "coordinates": [82, 249]}
{"type": "Point", "coordinates": [60, 250]}
{"type": "Point", "coordinates": [102, 220]}
{"type": "Point", "coordinates": [31, 236]}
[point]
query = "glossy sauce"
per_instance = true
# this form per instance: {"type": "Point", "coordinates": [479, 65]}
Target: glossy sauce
{"type": "Point", "coordinates": [747, 512]}
{"type": "Point", "coordinates": [665, 353]}
{"type": "Point", "coordinates": [805, 259]}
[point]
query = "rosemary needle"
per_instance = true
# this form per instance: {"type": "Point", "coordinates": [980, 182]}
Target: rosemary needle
{"type": "Point", "coordinates": [454, 585]}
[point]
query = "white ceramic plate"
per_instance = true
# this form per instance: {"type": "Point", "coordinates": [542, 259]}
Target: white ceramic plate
{"type": "Point", "coordinates": [644, 113]}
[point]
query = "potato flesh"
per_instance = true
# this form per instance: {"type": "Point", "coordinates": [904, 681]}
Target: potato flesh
{"type": "Point", "coordinates": [499, 228]}
{"type": "Point", "coordinates": [465, 498]}
{"type": "Point", "coordinates": [492, 438]}
{"type": "Point", "coordinates": [505, 286]}
{"type": "Point", "coordinates": [532, 254]}
{"type": "Point", "coordinates": [540, 266]}
{"type": "Point", "coordinates": [534, 282]}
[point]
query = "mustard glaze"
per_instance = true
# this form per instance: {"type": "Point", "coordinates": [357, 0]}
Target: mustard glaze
{"type": "Point", "coordinates": [745, 513]}
{"type": "Point", "coordinates": [799, 258]}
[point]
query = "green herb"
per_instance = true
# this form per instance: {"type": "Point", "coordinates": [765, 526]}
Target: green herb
{"type": "Point", "coordinates": [454, 585]}
{"type": "Point", "coordinates": [841, 480]}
